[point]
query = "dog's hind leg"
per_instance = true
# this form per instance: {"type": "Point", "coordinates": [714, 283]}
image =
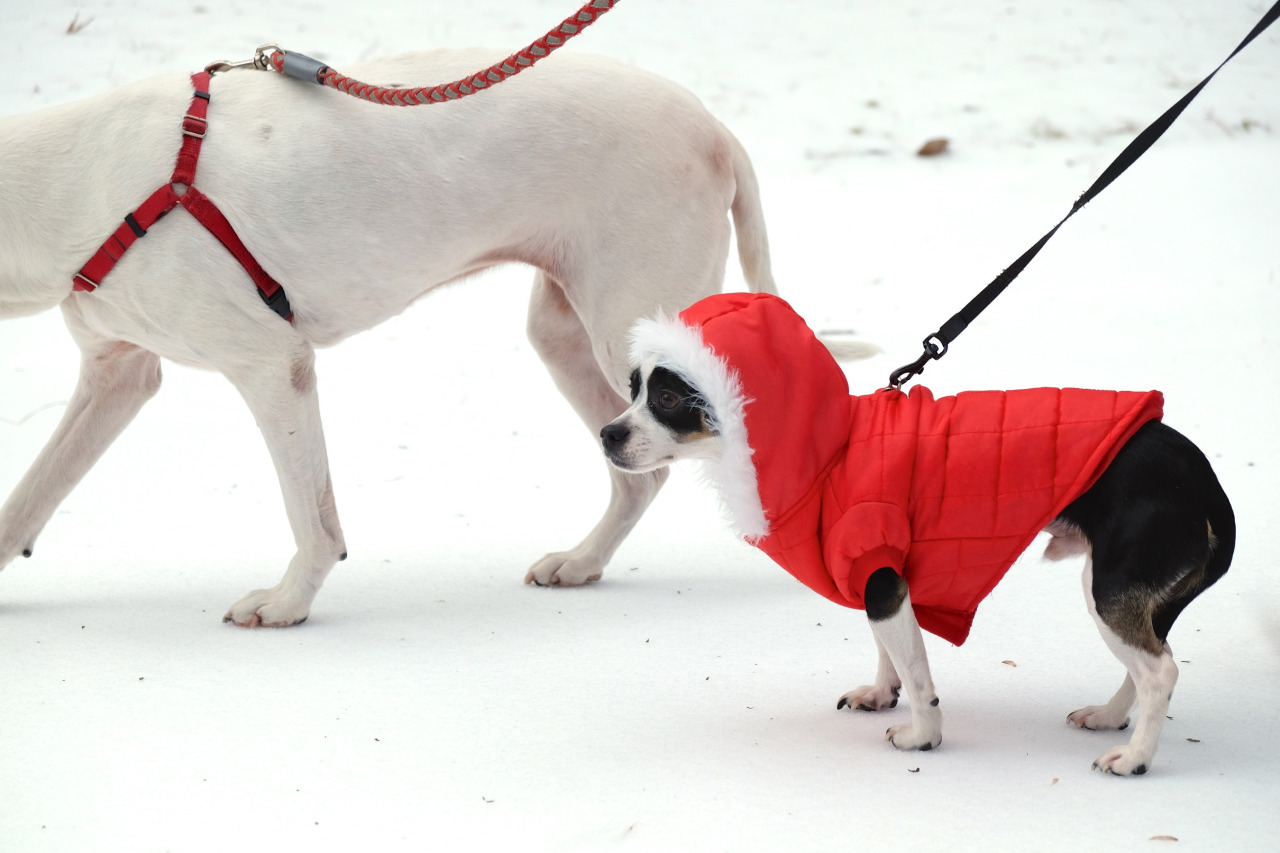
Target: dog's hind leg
{"type": "Point", "coordinates": [279, 387]}
{"type": "Point", "coordinates": [1125, 625]}
{"type": "Point", "coordinates": [116, 378]}
{"type": "Point", "coordinates": [1113, 715]}
{"type": "Point", "coordinates": [1160, 531]}
{"type": "Point", "coordinates": [561, 340]}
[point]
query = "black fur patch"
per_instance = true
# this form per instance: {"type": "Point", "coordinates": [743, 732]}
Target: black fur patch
{"type": "Point", "coordinates": [1161, 530]}
{"type": "Point", "coordinates": [675, 403]}
{"type": "Point", "coordinates": [884, 594]}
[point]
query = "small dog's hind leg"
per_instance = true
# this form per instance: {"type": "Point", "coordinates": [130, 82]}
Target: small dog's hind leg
{"type": "Point", "coordinates": [116, 379]}
{"type": "Point", "coordinates": [880, 695]}
{"type": "Point", "coordinates": [561, 340]}
{"type": "Point", "coordinates": [1113, 715]}
{"type": "Point", "coordinates": [280, 389]}
{"type": "Point", "coordinates": [1125, 625]}
{"type": "Point", "coordinates": [894, 624]}
{"type": "Point", "coordinates": [1154, 677]}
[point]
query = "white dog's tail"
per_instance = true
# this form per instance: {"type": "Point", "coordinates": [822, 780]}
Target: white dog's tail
{"type": "Point", "coordinates": [748, 222]}
{"type": "Point", "coordinates": [842, 350]}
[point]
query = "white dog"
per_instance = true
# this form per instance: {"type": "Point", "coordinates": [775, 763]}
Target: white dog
{"type": "Point", "coordinates": [613, 183]}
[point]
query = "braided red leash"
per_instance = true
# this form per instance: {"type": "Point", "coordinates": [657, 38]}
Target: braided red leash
{"type": "Point", "coordinates": [509, 67]}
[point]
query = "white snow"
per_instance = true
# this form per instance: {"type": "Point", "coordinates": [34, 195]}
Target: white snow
{"type": "Point", "coordinates": [687, 702]}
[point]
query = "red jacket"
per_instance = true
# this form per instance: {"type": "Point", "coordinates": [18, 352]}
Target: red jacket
{"type": "Point", "coordinates": [946, 492]}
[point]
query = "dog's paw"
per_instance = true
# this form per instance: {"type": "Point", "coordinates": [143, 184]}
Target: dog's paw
{"type": "Point", "coordinates": [565, 568]}
{"type": "Point", "coordinates": [1099, 718]}
{"type": "Point", "coordinates": [870, 697]}
{"type": "Point", "coordinates": [1124, 760]}
{"type": "Point", "coordinates": [923, 738]}
{"type": "Point", "coordinates": [10, 551]}
{"type": "Point", "coordinates": [267, 608]}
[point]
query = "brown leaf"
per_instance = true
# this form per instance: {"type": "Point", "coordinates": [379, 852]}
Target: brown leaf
{"type": "Point", "coordinates": [1193, 740]}
{"type": "Point", "coordinates": [77, 25]}
{"type": "Point", "coordinates": [934, 147]}
{"type": "Point", "coordinates": [1162, 838]}
{"type": "Point", "coordinates": [1009, 663]}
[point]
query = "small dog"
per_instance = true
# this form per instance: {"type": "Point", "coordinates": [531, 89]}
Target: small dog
{"type": "Point", "coordinates": [616, 185]}
{"type": "Point", "coordinates": [913, 508]}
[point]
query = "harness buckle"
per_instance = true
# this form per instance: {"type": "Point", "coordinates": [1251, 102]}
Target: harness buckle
{"type": "Point", "coordinates": [83, 283]}
{"type": "Point", "coordinates": [194, 126]}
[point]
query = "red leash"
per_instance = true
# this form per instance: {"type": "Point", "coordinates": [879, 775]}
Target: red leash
{"type": "Point", "coordinates": [305, 68]}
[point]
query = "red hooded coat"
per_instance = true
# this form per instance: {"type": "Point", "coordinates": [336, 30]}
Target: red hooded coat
{"type": "Point", "coordinates": [946, 492]}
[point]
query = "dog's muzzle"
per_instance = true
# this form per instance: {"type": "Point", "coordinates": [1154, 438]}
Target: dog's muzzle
{"type": "Point", "coordinates": [613, 437]}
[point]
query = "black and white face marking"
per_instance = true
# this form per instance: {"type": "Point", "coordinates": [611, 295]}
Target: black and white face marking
{"type": "Point", "coordinates": [667, 421]}
{"type": "Point", "coordinates": [673, 402]}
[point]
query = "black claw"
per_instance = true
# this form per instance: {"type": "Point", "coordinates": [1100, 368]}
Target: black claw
{"type": "Point", "coordinates": [865, 708]}
{"type": "Point", "coordinates": [894, 703]}
{"type": "Point", "coordinates": [26, 552]}
{"type": "Point", "coordinates": [1139, 770]}
{"type": "Point", "coordinates": [1123, 726]}
{"type": "Point", "coordinates": [934, 703]}
{"type": "Point", "coordinates": [926, 747]}
{"type": "Point", "coordinates": [342, 556]}
{"type": "Point", "coordinates": [840, 705]}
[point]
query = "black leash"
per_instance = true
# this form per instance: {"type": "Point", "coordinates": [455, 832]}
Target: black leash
{"type": "Point", "coordinates": [935, 345]}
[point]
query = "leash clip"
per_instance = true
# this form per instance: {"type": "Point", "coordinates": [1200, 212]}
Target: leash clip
{"type": "Point", "coordinates": [260, 61]}
{"type": "Point", "coordinates": [931, 352]}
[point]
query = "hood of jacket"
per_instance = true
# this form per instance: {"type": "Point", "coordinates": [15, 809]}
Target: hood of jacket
{"type": "Point", "coordinates": [775, 395]}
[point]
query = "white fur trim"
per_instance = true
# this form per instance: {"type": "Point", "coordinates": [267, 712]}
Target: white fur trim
{"type": "Point", "coordinates": [680, 349]}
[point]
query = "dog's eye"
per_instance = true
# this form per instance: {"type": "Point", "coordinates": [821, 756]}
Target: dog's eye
{"type": "Point", "coordinates": [668, 401]}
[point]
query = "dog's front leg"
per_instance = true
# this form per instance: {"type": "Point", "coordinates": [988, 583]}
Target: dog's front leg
{"type": "Point", "coordinates": [561, 340]}
{"type": "Point", "coordinates": [894, 624]}
{"type": "Point", "coordinates": [116, 378]}
{"type": "Point", "coordinates": [876, 697]}
{"type": "Point", "coordinates": [281, 392]}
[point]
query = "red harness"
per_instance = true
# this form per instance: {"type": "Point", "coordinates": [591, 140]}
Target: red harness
{"type": "Point", "coordinates": [165, 199]}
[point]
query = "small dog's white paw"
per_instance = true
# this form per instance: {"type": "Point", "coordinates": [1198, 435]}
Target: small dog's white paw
{"type": "Point", "coordinates": [869, 697]}
{"type": "Point", "coordinates": [267, 608]}
{"type": "Point", "coordinates": [1099, 718]}
{"type": "Point", "coordinates": [923, 738]}
{"type": "Point", "coordinates": [565, 568]}
{"type": "Point", "coordinates": [1124, 760]}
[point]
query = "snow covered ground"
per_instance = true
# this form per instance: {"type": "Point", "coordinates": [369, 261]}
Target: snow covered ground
{"type": "Point", "coordinates": [687, 702]}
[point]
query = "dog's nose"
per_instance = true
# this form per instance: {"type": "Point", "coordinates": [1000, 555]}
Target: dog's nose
{"type": "Point", "coordinates": [614, 435]}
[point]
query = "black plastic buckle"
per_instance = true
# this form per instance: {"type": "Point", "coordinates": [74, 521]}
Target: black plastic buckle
{"type": "Point", "coordinates": [277, 302]}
